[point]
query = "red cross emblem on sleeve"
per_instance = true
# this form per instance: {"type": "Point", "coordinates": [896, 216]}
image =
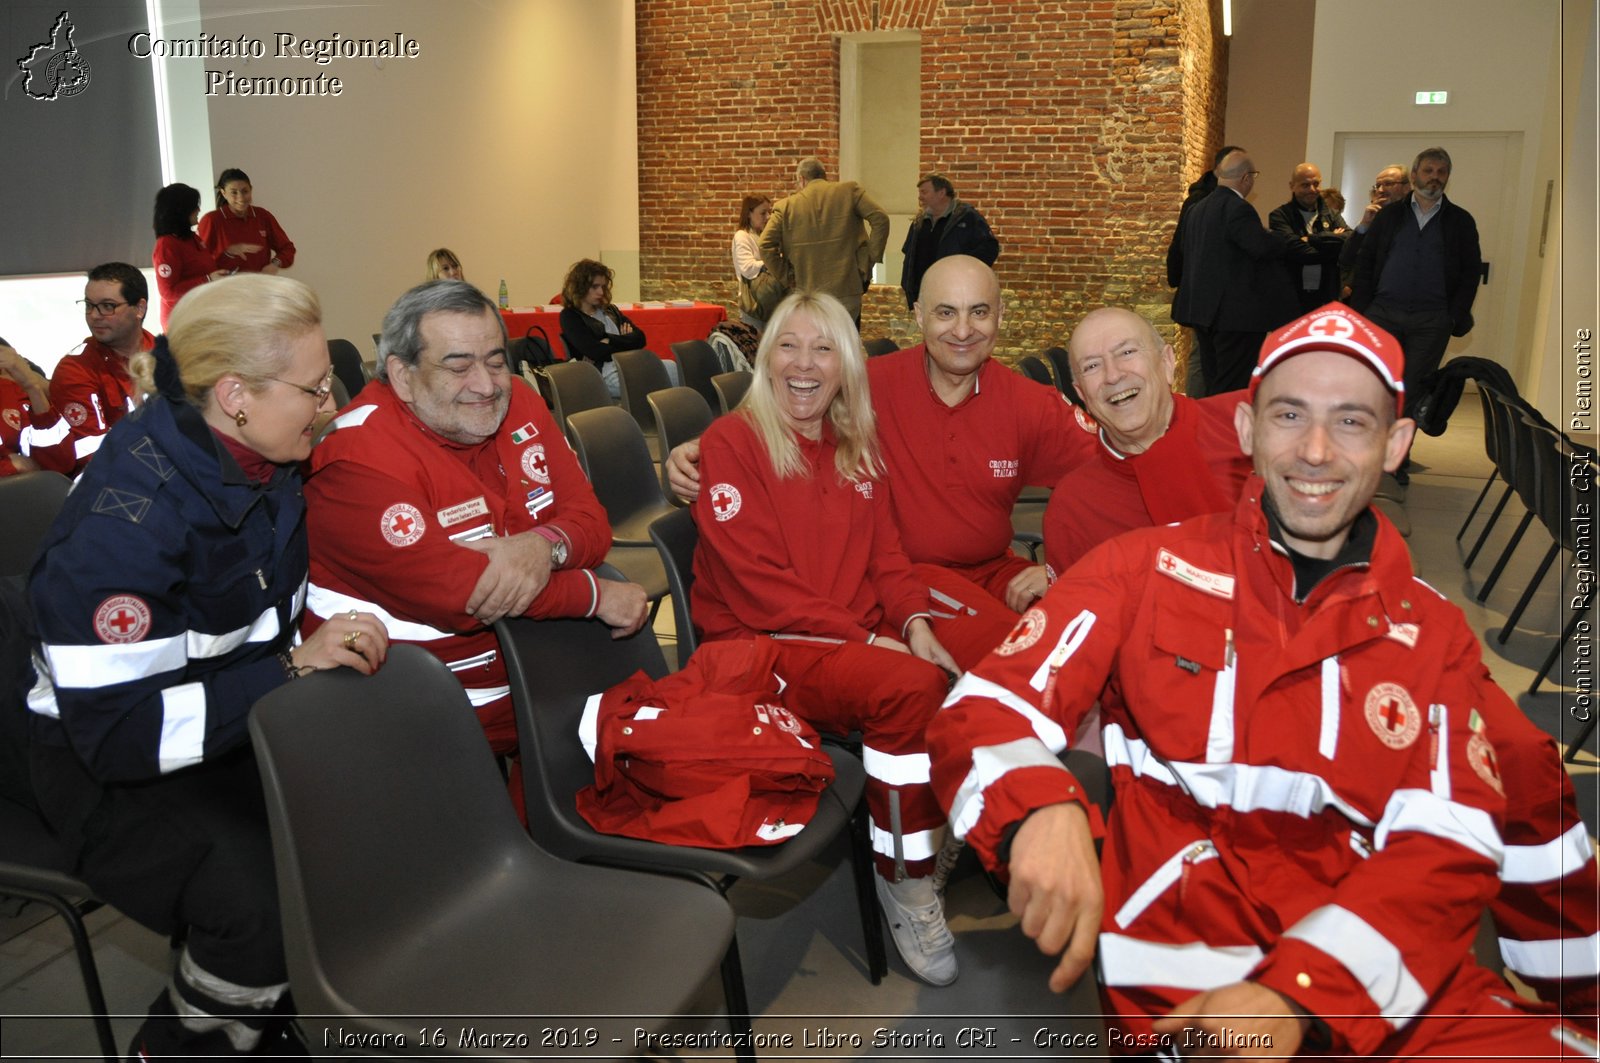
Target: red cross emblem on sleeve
{"type": "Point", "coordinates": [1392, 715]}
{"type": "Point", "coordinates": [1332, 326]}
{"type": "Point", "coordinates": [122, 618]}
{"type": "Point", "coordinates": [535, 464]}
{"type": "Point", "coordinates": [402, 524]}
{"type": "Point", "coordinates": [725, 501]}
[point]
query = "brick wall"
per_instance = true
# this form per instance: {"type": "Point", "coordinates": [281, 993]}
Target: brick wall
{"type": "Point", "coordinates": [1073, 125]}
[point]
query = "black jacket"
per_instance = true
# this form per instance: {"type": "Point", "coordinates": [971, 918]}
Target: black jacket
{"type": "Point", "coordinates": [586, 338]}
{"type": "Point", "coordinates": [1463, 264]}
{"type": "Point", "coordinates": [1233, 277]}
{"type": "Point", "coordinates": [1326, 240]}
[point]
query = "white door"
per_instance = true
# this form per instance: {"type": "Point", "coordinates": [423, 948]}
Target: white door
{"type": "Point", "coordinates": [1483, 179]}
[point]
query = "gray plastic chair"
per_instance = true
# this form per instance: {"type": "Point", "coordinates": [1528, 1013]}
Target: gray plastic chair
{"type": "Point", "coordinates": [1032, 368]}
{"type": "Point", "coordinates": [681, 415]}
{"type": "Point", "coordinates": [881, 345]}
{"type": "Point", "coordinates": [731, 388]}
{"type": "Point", "coordinates": [698, 363]}
{"type": "Point", "coordinates": [641, 374]}
{"type": "Point", "coordinates": [409, 889]}
{"type": "Point", "coordinates": [29, 503]}
{"type": "Point", "coordinates": [574, 386]}
{"type": "Point", "coordinates": [347, 367]}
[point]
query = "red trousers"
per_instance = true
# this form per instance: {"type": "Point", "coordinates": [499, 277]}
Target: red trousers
{"type": "Point", "coordinates": [970, 615]}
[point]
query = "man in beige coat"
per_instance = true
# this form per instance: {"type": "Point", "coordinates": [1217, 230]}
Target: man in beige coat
{"type": "Point", "coordinates": [814, 238]}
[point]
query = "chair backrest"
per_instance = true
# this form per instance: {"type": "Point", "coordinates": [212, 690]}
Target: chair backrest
{"type": "Point", "coordinates": [575, 386]}
{"type": "Point", "coordinates": [640, 373]}
{"type": "Point", "coordinates": [1061, 367]}
{"type": "Point", "coordinates": [529, 351]}
{"type": "Point", "coordinates": [1034, 369]}
{"type": "Point", "coordinates": [384, 802]}
{"type": "Point", "coordinates": [880, 345]}
{"type": "Point", "coordinates": [697, 364]}
{"type": "Point", "coordinates": [347, 368]}
{"type": "Point", "coordinates": [553, 667]}
{"type": "Point", "coordinates": [731, 388]}
{"type": "Point", "coordinates": [1490, 443]}
{"type": "Point", "coordinates": [29, 503]}
{"type": "Point", "coordinates": [1504, 413]}
{"type": "Point", "coordinates": [676, 536]}
{"type": "Point", "coordinates": [616, 459]}
{"type": "Point", "coordinates": [681, 415]}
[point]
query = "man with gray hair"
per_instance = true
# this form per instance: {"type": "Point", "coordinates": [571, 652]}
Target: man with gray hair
{"type": "Point", "coordinates": [944, 226]}
{"type": "Point", "coordinates": [826, 237]}
{"type": "Point", "coordinates": [1417, 279]}
{"type": "Point", "coordinates": [450, 469]}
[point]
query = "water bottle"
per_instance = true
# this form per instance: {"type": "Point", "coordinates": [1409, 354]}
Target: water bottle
{"type": "Point", "coordinates": [505, 297]}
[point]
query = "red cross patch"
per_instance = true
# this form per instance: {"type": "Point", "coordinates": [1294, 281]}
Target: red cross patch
{"type": "Point", "coordinates": [1486, 765]}
{"type": "Point", "coordinates": [1331, 326]}
{"type": "Point", "coordinates": [122, 618]}
{"type": "Point", "coordinates": [1028, 631]}
{"type": "Point", "coordinates": [13, 419]}
{"type": "Point", "coordinates": [402, 524]}
{"type": "Point", "coordinates": [1392, 715]}
{"type": "Point", "coordinates": [75, 413]}
{"type": "Point", "coordinates": [725, 501]}
{"type": "Point", "coordinates": [535, 464]}
{"type": "Point", "coordinates": [164, 270]}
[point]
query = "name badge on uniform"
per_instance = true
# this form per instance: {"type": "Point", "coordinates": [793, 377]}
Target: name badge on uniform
{"type": "Point", "coordinates": [538, 499]}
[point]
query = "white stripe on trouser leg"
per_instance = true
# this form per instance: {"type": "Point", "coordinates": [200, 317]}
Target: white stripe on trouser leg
{"type": "Point", "coordinates": [905, 769]}
{"type": "Point", "coordinates": [1126, 961]}
{"type": "Point", "coordinates": [259, 999]}
{"type": "Point", "coordinates": [916, 845]}
{"type": "Point", "coordinates": [1555, 958]}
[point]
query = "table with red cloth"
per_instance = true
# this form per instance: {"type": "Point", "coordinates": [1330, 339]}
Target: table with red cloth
{"type": "Point", "coordinates": [663, 323]}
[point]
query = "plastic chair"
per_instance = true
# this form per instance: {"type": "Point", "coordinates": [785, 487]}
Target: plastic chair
{"type": "Point", "coordinates": [34, 867]}
{"type": "Point", "coordinates": [731, 388]}
{"type": "Point", "coordinates": [1503, 411]}
{"type": "Point", "coordinates": [697, 363]}
{"type": "Point", "coordinates": [1032, 368]}
{"type": "Point", "coordinates": [553, 667]}
{"type": "Point", "coordinates": [1061, 367]}
{"type": "Point", "coordinates": [879, 346]}
{"type": "Point", "coordinates": [574, 386]}
{"type": "Point", "coordinates": [347, 367]}
{"type": "Point", "coordinates": [1524, 479]}
{"type": "Point", "coordinates": [409, 889]}
{"type": "Point", "coordinates": [640, 374]}
{"type": "Point", "coordinates": [676, 536]}
{"type": "Point", "coordinates": [1491, 448]}
{"type": "Point", "coordinates": [681, 415]}
{"type": "Point", "coordinates": [612, 452]}
{"type": "Point", "coordinates": [29, 503]}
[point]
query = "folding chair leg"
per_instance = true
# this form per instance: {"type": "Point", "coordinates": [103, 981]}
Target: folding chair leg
{"type": "Point", "coordinates": [1500, 565]}
{"type": "Point", "coordinates": [1527, 595]}
{"type": "Point", "coordinates": [1473, 512]}
{"type": "Point", "coordinates": [1555, 651]}
{"type": "Point", "coordinates": [87, 969]}
{"type": "Point", "coordinates": [738, 1002]}
{"type": "Point", "coordinates": [867, 895]}
{"type": "Point", "coordinates": [1485, 533]}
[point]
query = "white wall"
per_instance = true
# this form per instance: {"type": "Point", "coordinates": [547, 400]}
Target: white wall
{"type": "Point", "coordinates": [511, 140]}
{"type": "Point", "coordinates": [1269, 78]}
{"type": "Point", "coordinates": [1494, 58]}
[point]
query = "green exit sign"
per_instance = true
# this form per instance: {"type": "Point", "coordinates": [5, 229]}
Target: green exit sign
{"type": "Point", "coordinates": [1433, 97]}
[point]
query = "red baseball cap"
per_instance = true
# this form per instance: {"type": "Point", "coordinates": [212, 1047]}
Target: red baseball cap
{"type": "Point", "coordinates": [1337, 328]}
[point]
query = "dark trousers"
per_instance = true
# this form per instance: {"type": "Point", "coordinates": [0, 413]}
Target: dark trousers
{"type": "Point", "coordinates": [1233, 357]}
{"type": "Point", "coordinates": [1423, 336]}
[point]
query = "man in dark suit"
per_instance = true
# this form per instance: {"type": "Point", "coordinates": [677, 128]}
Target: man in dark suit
{"type": "Point", "coordinates": [1318, 232]}
{"type": "Point", "coordinates": [1234, 288]}
{"type": "Point", "coordinates": [1418, 279]}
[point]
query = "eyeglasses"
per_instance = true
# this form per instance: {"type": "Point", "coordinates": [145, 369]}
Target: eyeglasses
{"type": "Point", "coordinates": [105, 309]}
{"type": "Point", "coordinates": [1381, 185]}
{"type": "Point", "coordinates": [1252, 173]}
{"type": "Point", "coordinates": [320, 392]}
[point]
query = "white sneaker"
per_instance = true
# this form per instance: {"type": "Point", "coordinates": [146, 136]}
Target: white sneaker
{"type": "Point", "coordinates": [945, 863]}
{"type": "Point", "coordinates": [916, 919]}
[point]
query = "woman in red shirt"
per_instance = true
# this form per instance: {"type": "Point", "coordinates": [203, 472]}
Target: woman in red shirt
{"type": "Point", "coordinates": [181, 260]}
{"type": "Point", "coordinates": [242, 236]}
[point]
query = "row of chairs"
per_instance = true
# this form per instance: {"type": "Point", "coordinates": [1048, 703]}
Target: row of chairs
{"type": "Point", "coordinates": [1549, 473]}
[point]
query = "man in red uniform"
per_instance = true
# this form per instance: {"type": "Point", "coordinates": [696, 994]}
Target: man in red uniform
{"type": "Point", "coordinates": [91, 387]}
{"type": "Point", "coordinates": [961, 436]}
{"type": "Point", "coordinates": [1305, 746]}
{"type": "Point", "coordinates": [1161, 457]}
{"type": "Point", "coordinates": [32, 435]}
{"type": "Point", "coordinates": [448, 498]}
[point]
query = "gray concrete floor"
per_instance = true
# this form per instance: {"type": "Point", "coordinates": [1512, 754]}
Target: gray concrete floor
{"type": "Point", "coordinates": [800, 937]}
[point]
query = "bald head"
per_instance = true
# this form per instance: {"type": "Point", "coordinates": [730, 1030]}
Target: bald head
{"type": "Point", "coordinates": [958, 309]}
{"type": "Point", "coordinates": [1305, 184]}
{"type": "Point", "coordinates": [1124, 370]}
{"type": "Point", "coordinates": [962, 273]}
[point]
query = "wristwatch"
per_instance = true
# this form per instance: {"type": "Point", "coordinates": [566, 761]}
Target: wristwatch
{"type": "Point", "coordinates": [558, 546]}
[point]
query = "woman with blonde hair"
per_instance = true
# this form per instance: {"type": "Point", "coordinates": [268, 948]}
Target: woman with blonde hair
{"type": "Point", "coordinates": [444, 264]}
{"type": "Point", "coordinates": [167, 599]}
{"type": "Point", "coordinates": [798, 544]}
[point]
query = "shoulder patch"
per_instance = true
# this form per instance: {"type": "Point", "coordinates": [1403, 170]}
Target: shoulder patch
{"type": "Point", "coordinates": [1392, 715]}
{"type": "Point", "coordinates": [152, 458]}
{"type": "Point", "coordinates": [725, 501]}
{"type": "Point", "coordinates": [13, 419]}
{"type": "Point", "coordinates": [1485, 764]}
{"type": "Point", "coordinates": [122, 618]}
{"type": "Point", "coordinates": [76, 413]}
{"type": "Point", "coordinates": [402, 524]}
{"type": "Point", "coordinates": [535, 465]}
{"type": "Point", "coordinates": [1216, 584]}
{"type": "Point", "coordinates": [1028, 631]}
{"type": "Point", "coordinates": [125, 504]}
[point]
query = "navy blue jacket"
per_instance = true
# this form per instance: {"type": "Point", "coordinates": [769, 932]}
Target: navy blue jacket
{"type": "Point", "coordinates": [1463, 260]}
{"type": "Point", "coordinates": [164, 593]}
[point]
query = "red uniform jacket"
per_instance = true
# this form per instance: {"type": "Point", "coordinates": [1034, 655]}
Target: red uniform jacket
{"type": "Point", "coordinates": [182, 263]}
{"type": "Point", "coordinates": [223, 227]}
{"type": "Point", "coordinates": [91, 390]}
{"type": "Point", "coordinates": [388, 500]}
{"type": "Point", "coordinates": [42, 435]}
{"type": "Point", "coordinates": [1195, 468]}
{"type": "Point", "coordinates": [1307, 795]}
{"type": "Point", "coordinates": [816, 555]}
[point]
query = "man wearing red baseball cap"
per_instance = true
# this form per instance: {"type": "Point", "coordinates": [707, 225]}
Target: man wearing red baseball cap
{"type": "Point", "coordinates": [1306, 750]}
